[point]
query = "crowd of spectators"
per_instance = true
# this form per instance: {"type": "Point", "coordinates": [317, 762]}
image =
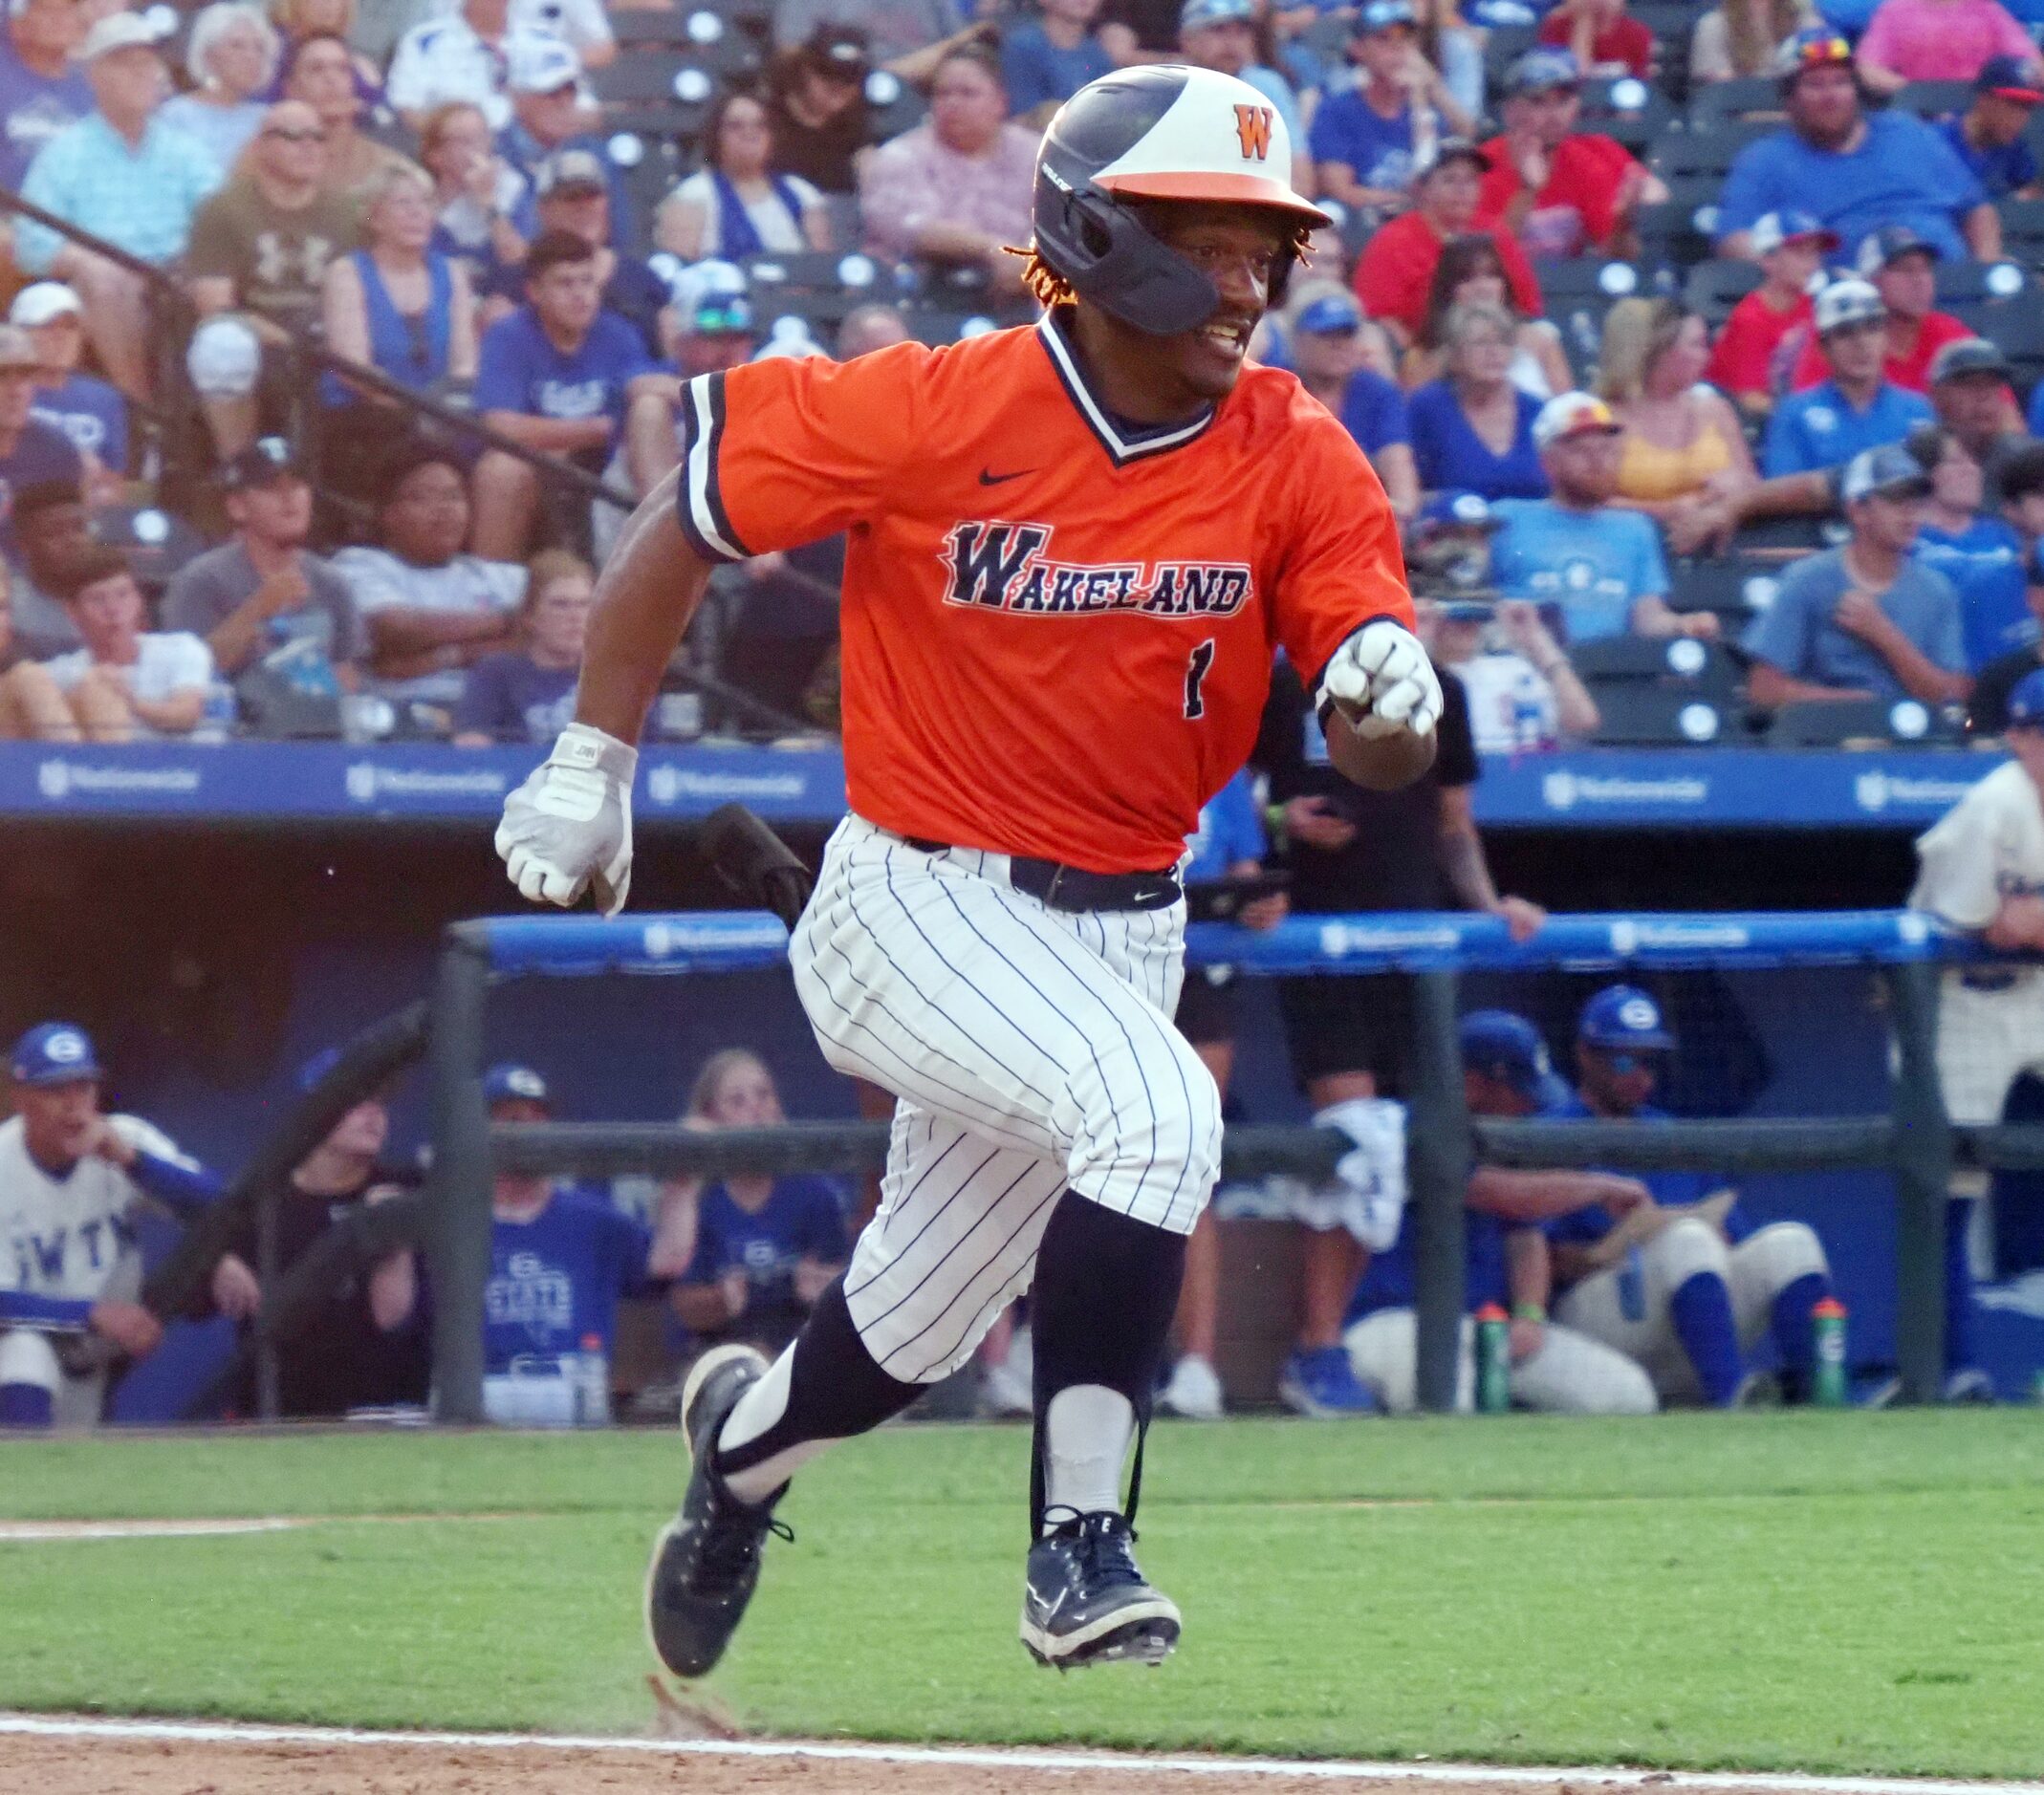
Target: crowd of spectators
{"type": "Point", "coordinates": [1532, 302]}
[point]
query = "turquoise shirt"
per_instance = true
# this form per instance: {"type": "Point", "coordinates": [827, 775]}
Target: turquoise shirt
{"type": "Point", "coordinates": [139, 199]}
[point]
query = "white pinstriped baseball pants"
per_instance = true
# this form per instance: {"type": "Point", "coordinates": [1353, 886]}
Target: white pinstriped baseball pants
{"type": "Point", "coordinates": [1032, 1049]}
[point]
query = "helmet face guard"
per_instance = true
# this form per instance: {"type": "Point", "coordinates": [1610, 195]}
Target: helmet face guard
{"type": "Point", "coordinates": [1162, 133]}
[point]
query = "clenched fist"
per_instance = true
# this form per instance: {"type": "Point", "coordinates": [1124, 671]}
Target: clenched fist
{"type": "Point", "coordinates": [568, 827]}
{"type": "Point", "coordinates": [1383, 682]}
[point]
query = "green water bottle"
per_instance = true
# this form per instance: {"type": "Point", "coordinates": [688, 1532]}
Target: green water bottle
{"type": "Point", "coordinates": [1827, 1332]}
{"type": "Point", "coordinates": [1493, 1360]}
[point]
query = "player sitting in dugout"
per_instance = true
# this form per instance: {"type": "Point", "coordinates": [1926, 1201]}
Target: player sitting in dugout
{"type": "Point", "coordinates": [1681, 1282]}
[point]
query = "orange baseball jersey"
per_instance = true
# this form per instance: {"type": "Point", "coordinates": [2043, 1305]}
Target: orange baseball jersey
{"type": "Point", "coordinates": [1057, 630]}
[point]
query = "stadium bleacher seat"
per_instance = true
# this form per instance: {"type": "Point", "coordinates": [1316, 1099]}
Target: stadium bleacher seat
{"type": "Point", "coordinates": [1732, 586]}
{"type": "Point", "coordinates": [1934, 100]}
{"type": "Point", "coordinates": [153, 540]}
{"type": "Point", "coordinates": [1838, 722]}
{"type": "Point", "coordinates": [1671, 22]}
{"type": "Point", "coordinates": [1715, 285]}
{"type": "Point", "coordinates": [637, 26]}
{"type": "Point", "coordinates": [1785, 538]}
{"type": "Point", "coordinates": [1628, 109]}
{"type": "Point", "coordinates": [1668, 233]}
{"type": "Point", "coordinates": [656, 74]}
{"type": "Point", "coordinates": [1675, 662]}
{"type": "Point", "coordinates": [1749, 106]}
{"type": "Point", "coordinates": [1637, 713]}
{"type": "Point", "coordinates": [1503, 46]}
{"type": "Point", "coordinates": [2022, 230]}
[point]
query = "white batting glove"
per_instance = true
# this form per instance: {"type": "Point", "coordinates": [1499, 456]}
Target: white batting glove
{"type": "Point", "coordinates": [1383, 682]}
{"type": "Point", "coordinates": [568, 827]}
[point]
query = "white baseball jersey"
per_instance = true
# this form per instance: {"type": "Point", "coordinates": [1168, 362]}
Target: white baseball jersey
{"type": "Point", "coordinates": [1991, 1022]}
{"type": "Point", "coordinates": [68, 1237]}
{"type": "Point", "coordinates": [1032, 1051]}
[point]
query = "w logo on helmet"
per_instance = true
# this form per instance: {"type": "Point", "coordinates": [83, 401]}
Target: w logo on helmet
{"type": "Point", "coordinates": [1252, 125]}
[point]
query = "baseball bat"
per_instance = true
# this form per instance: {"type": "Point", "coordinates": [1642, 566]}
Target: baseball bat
{"type": "Point", "coordinates": [755, 862]}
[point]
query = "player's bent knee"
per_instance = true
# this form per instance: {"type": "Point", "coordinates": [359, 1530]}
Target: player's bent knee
{"type": "Point", "coordinates": [28, 1359]}
{"type": "Point", "coordinates": [1686, 1248]}
{"type": "Point", "coordinates": [1786, 1250]}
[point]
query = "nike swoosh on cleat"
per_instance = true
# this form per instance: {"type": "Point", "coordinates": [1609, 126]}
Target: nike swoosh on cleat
{"type": "Point", "coordinates": [989, 477]}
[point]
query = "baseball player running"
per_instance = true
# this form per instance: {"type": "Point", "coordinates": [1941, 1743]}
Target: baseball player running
{"type": "Point", "coordinates": [1981, 869]}
{"type": "Point", "coordinates": [1073, 550]}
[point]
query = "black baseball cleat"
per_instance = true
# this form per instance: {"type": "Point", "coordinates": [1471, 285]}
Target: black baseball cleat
{"type": "Point", "coordinates": [706, 1562]}
{"type": "Point", "coordinates": [1084, 1602]}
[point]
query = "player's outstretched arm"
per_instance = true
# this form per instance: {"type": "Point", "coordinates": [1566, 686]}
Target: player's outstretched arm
{"type": "Point", "coordinates": [568, 827]}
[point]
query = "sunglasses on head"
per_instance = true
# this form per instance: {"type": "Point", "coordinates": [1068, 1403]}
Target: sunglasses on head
{"type": "Point", "coordinates": [1822, 50]}
{"type": "Point", "coordinates": [283, 135]}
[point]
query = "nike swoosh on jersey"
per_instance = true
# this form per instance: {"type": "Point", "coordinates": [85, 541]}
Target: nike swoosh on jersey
{"type": "Point", "coordinates": [989, 477]}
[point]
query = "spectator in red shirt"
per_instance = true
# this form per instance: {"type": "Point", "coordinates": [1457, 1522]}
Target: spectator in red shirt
{"type": "Point", "coordinates": [1395, 270]}
{"type": "Point", "coordinates": [1751, 360]}
{"type": "Point", "coordinates": [1903, 268]}
{"type": "Point", "coordinates": [1601, 36]}
{"type": "Point", "coordinates": [1558, 191]}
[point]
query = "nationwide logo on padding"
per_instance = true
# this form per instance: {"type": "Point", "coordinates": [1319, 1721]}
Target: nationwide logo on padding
{"type": "Point", "coordinates": [1007, 567]}
{"type": "Point", "coordinates": [1252, 125]}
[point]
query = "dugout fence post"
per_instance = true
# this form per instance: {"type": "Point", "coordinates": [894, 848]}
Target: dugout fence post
{"type": "Point", "coordinates": [1922, 1168]}
{"type": "Point", "coordinates": [458, 1229]}
{"type": "Point", "coordinates": [1437, 1159]}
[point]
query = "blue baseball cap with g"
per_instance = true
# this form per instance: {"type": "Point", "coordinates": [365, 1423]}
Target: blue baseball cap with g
{"type": "Point", "coordinates": [507, 1082]}
{"type": "Point", "coordinates": [2025, 704]}
{"type": "Point", "coordinates": [1329, 316]}
{"type": "Point", "coordinates": [53, 1054]}
{"type": "Point", "coordinates": [1506, 1046]}
{"type": "Point", "coordinates": [1625, 1019]}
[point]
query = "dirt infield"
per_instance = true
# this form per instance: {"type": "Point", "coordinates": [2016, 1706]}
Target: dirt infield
{"type": "Point", "coordinates": [98, 1766]}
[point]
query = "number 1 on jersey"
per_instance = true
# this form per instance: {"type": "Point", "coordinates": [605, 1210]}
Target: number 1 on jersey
{"type": "Point", "coordinates": [1196, 672]}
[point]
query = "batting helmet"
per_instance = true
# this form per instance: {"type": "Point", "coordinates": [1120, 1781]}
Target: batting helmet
{"type": "Point", "coordinates": [1155, 133]}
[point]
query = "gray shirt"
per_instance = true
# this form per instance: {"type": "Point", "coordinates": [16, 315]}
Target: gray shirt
{"type": "Point", "coordinates": [1795, 632]}
{"type": "Point", "coordinates": [467, 585]}
{"type": "Point", "coordinates": [42, 627]}
{"type": "Point", "coordinates": [328, 629]}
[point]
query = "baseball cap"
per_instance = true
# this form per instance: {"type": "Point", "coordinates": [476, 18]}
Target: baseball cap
{"type": "Point", "coordinates": [1325, 316]}
{"type": "Point", "coordinates": [2006, 78]}
{"type": "Point", "coordinates": [1879, 247]}
{"type": "Point", "coordinates": [53, 1054]}
{"type": "Point", "coordinates": [1969, 354]}
{"type": "Point", "coordinates": [1624, 1018]}
{"type": "Point", "coordinates": [711, 299]}
{"type": "Point", "coordinates": [1459, 510]}
{"type": "Point", "coordinates": [1506, 1046]}
{"type": "Point", "coordinates": [1569, 414]}
{"type": "Point", "coordinates": [268, 458]}
{"type": "Point", "coordinates": [1543, 70]}
{"type": "Point", "coordinates": [540, 65]}
{"type": "Point", "coordinates": [507, 1082]}
{"type": "Point", "coordinates": [1886, 472]}
{"type": "Point", "coordinates": [118, 30]}
{"type": "Point", "coordinates": [2026, 703]}
{"type": "Point", "coordinates": [1197, 12]}
{"type": "Point", "coordinates": [1771, 230]}
{"type": "Point", "coordinates": [1381, 16]}
{"type": "Point", "coordinates": [1448, 149]}
{"type": "Point", "coordinates": [1817, 46]}
{"type": "Point", "coordinates": [43, 303]}
{"type": "Point", "coordinates": [1848, 302]}
{"type": "Point", "coordinates": [571, 170]}
{"type": "Point", "coordinates": [838, 50]}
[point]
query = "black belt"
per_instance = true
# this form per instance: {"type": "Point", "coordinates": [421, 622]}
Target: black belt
{"type": "Point", "coordinates": [1073, 888]}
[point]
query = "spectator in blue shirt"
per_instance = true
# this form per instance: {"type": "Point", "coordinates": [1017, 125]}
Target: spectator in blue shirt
{"type": "Point", "coordinates": [766, 1247]}
{"type": "Point", "coordinates": [1991, 137]}
{"type": "Point", "coordinates": [124, 175]}
{"type": "Point", "coordinates": [1600, 566]}
{"type": "Point", "coordinates": [1047, 60]}
{"type": "Point", "coordinates": [1472, 430]}
{"type": "Point", "coordinates": [562, 374]}
{"type": "Point", "coordinates": [1979, 553]}
{"type": "Point", "coordinates": [1858, 408]}
{"type": "Point", "coordinates": [560, 1258]}
{"type": "Point", "coordinates": [1363, 136]}
{"type": "Point", "coordinates": [1328, 356]}
{"type": "Point", "coordinates": [1856, 171]}
{"type": "Point", "coordinates": [31, 453]}
{"type": "Point", "coordinates": [92, 415]}
{"type": "Point", "coordinates": [526, 694]}
{"type": "Point", "coordinates": [41, 89]}
{"type": "Point", "coordinates": [1864, 620]}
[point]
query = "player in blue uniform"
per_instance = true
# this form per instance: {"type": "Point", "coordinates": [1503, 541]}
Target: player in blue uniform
{"type": "Point", "coordinates": [1505, 1072]}
{"type": "Point", "coordinates": [1681, 1283]}
{"type": "Point", "coordinates": [560, 1258]}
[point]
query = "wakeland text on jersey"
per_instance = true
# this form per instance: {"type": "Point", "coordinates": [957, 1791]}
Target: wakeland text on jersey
{"type": "Point", "coordinates": [1006, 566]}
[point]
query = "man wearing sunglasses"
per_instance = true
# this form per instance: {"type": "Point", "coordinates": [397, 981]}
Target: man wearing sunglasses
{"type": "Point", "coordinates": [259, 252]}
{"type": "Point", "coordinates": [1858, 171]}
{"type": "Point", "coordinates": [1682, 1283]}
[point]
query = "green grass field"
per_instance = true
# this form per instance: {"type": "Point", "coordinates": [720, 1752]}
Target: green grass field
{"type": "Point", "coordinates": [1830, 1592]}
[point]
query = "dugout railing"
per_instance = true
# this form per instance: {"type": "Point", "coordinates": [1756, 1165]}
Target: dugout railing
{"type": "Point", "coordinates": [1913, 1140]}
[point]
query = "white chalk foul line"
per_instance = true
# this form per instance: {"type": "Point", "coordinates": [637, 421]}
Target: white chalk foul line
{"type": "Point", "coordinates": [1018, 1758]}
